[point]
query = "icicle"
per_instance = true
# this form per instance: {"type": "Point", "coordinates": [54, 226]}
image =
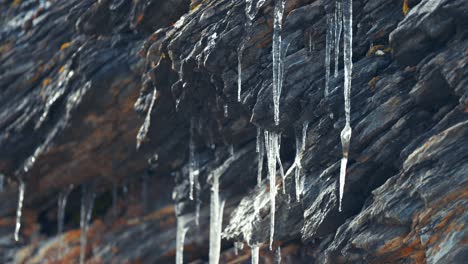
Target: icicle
{"type": "Point", "coordinates": [272, 146]}
{"type": "Point", "coordinates": [260, 149]}
{"type": "Point", "coordinates": [338, 27]}
{"type": "Point", "coordinates": [1, 182]}
{"type": "Point", "coordinates": [348, 67]}
{"type": "Point", "coordinates": [226, 110]}
{"type": "Point", "coordinates": [141, 136]}
{"type": "Point", "coordinates": [193, 163]}
{"type": "Point", "coordinates": [240, 50]}
{"type": "Point", "coordinates": [19, 209]}
{"type": "Point", "coordinates": [180, 238]}
{"type": "Point", "coordinates": [87, 203]}
{"type": "Point", "coordinates": [61, 205]}
{"type": "Point", "coordinates": [300, 148]}
{"type": "Point", "coordinates": [328, 50]}
{"type": "Point", "coordinates": [237, 247]}
{"type": "Point", "coordinates": [255, 253]}
{"type": "Point", "coordinates": [216, 209]}
{"type": "Point", "coordinates": [278, 255]}
{"type": "Point", "coordinates": [277, 57]}
{"type": "Point", "coordinates": [197, 211]}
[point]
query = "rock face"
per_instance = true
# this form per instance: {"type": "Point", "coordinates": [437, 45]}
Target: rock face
{"type": "Point", "coordinates": [82, 83]}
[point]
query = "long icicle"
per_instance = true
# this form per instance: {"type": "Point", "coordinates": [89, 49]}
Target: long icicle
{"type": "Point", "coordinates": [338, 28]}
{"type": "Point", "coordinates": [215, 236]}
{"type": "Point", "coordinates": [180, 238]}
{"type": "Point", "coordinates": [260, 149]}
{"type": "Point", "coordinates": [277, 57]}
{"type": "Point", "coordinates": [272, 146]}
{"type": "Point", "coordinates": [348, 67]}
{"type": "Point", "coordinates": [255, 253]}
{"type": "Point", "coordinates": [240, 50]}
{"type": "Point", "coordinates": [328, 50]}
{"type": "Point", "coordinates": [19, 209]}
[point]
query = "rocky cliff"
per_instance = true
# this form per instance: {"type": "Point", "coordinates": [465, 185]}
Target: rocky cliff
{"type": "Point", "coordinates": [125, 101]}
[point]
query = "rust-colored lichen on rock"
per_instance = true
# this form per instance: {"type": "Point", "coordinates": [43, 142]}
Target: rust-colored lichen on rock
{"type": "Point", "coordinates": [405, 7]}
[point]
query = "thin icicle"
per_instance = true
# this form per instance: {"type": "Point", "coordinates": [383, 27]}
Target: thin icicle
{"type": "Point", "coordinates": [338, 28]}
{"type": "Point", "coordinates": [193, 162]}
{"type": "Point", "coordinates": [300, 148]}
{"type": "Point", "coordinates": [278, 255]}
{"type": "Point", "coordinates": [260, 148]}
{"type": "Point", "coordinates": [277, 57]}
{"type": "Point", "coordinates": [61, 205]}
{"type": "Point", "coordinates": [87, 203]}
{"type": "Point", "coordinates": [19, 209]}
{"type": "Point", "coordinates": [272, 146]}
{"type": "Point", "coordinates": [255, 253]}
{"type": "Point", "coordinates": [280, 166]}
{"type": "Point", "coordinates": [180, 238]}
{"type": "Point", "coordinates": [240, 50]}
{"type": "Point", "coordinates": [328, 51]}
{"type": "Point", "coordinates": [348, 67]}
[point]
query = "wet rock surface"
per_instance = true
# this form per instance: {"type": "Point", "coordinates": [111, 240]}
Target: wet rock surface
{"type": "Point", "coordinates": [83, 83]}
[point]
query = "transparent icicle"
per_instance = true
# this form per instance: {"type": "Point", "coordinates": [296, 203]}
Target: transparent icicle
{"type": "Point", "coordinates": [348, 67]}
{"type": "Point", "coordinates": [240, 50]}
{"type": "Point", "coordinates": [300, 148]}
{"type": "Point", "coordinates": [19, 209]}
{"type": "Point", "coordinates": [180, 238]}
{"type": "Point", "coordinates": [277, 57]}
{"type": "Point", "coordinates": [278, 255]}
{"type": "Point", "coordinates": [255, 253]}
{"type": "Point", "coordinates": [260, 149]}
{"type": "Point", "coordinates": [272, 147]}
{"type": "Point", "coordinates": [328, 51]}
{"type": "Point", "coordinates": [87, 203]}
{"type": "Point", "coordinates": [193, 162]}
{"type": "Point", "coordinates": [216, 207]}
{"type": "Point", "coordinates": [61, 205]}
{"type": "Point", "coordinates": [338, 28]}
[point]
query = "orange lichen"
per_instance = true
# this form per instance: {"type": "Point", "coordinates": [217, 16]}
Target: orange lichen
{"type": "Point", "coordinates": [65, 45]}
{"type": "Point", "coordinates": [373, 82]}
{"type": "Point", "coordinates": [139, 19]}
{"type": "Point", "coordinates": [405, 7]}
{"type": "Point", "coordinates": [15, 3]}
{"type": "Point", "coordinates": [46, 81]}
{"type": "Point", "coordinates": [72, 235]}
{"type": "Point", "coordinates": [62, 69]}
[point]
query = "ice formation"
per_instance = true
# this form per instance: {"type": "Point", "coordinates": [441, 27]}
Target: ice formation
{"type": "Point", "coordinates": [348, 67]}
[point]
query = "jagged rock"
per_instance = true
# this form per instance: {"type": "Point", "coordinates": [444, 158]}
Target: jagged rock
{"type": "Point", "coordinates": [80, 81]}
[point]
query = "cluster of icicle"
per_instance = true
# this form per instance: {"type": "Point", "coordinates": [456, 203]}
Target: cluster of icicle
{"type": "Point", "coordinates": [269, 142]}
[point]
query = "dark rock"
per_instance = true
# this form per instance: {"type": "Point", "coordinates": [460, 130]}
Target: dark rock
{"type": "Point", "coordinates": [79, 78]}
